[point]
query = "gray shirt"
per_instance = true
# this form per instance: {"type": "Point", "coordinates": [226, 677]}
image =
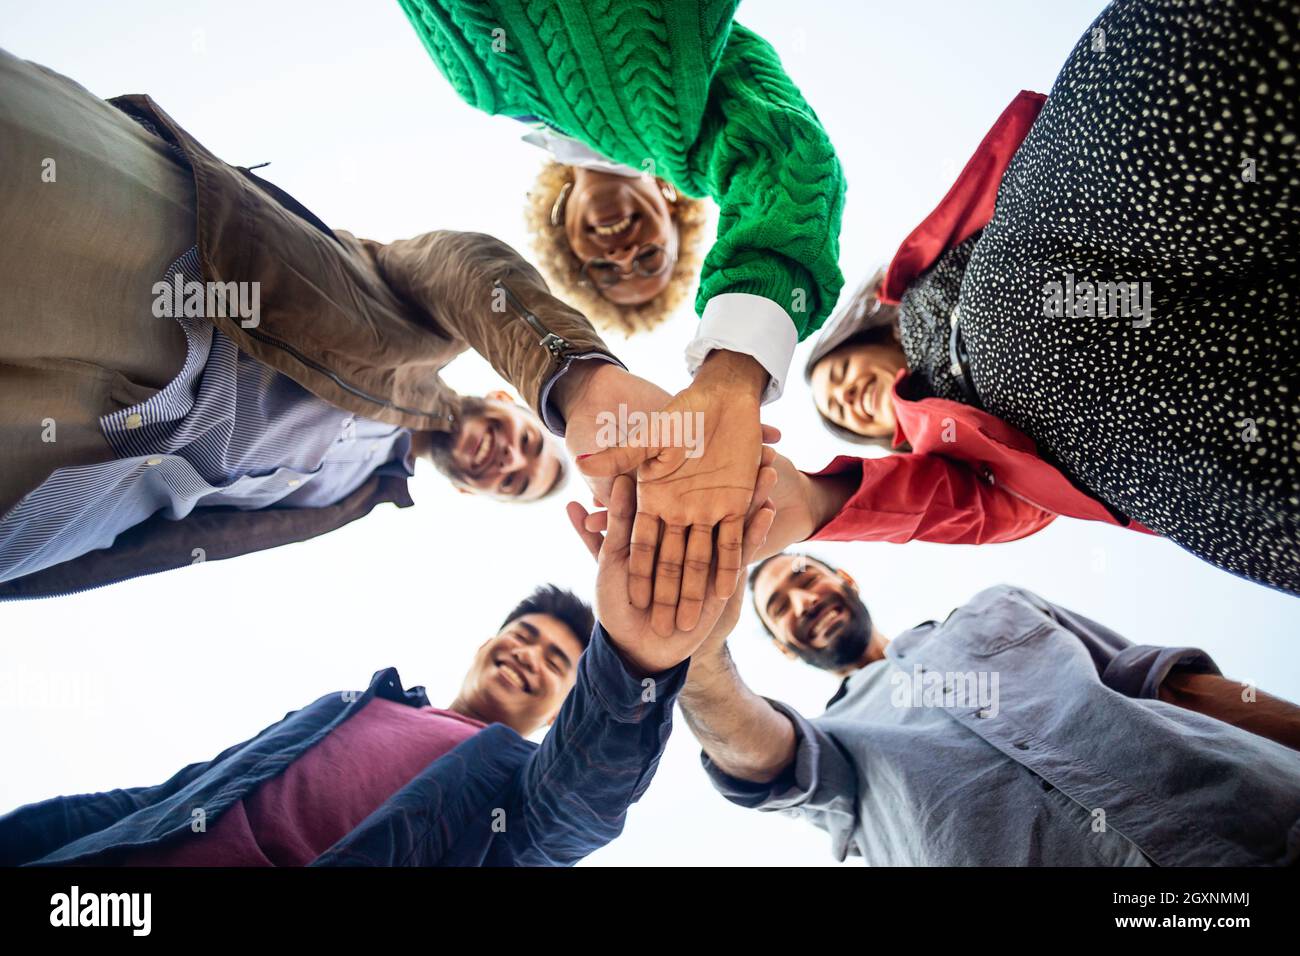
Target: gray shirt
{"type": "Point", "coordinates": [1018, 733]}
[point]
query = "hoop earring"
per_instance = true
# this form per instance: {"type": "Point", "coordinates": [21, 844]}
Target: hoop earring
{"type": "Point", "coordinates": [670, 193]}
{"type": "Point", "coordinates": [557, 210]}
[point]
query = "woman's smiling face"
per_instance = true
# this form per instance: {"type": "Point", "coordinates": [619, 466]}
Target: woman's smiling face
{"type": "Point", "coordinates": [625, 224]}
{"type": "Point", "coordinates": [853, 386]}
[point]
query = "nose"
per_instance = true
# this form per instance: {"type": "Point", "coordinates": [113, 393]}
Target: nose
{"type": "Point", "coordinates": [800, 601]}
{"type": "Point", "coordinates": [623, 255]}
{"type": "Point", "coordinates": [523, 656]}
{"type": "Point", "coordinates": [848, 394]}
{"type": "Point", "coordinates": [511, 458]}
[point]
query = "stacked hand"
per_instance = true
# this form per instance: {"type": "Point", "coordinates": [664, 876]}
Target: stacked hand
{"type": "Point", "coordinates": [687, 497]}
{"type": "Point", "coordinates": [644, 647]}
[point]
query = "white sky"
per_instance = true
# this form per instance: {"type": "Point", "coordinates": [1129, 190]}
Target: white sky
{"type": "Point", "coordinates": [358, 124]}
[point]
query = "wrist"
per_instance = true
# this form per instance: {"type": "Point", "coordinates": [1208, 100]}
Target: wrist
{"type": "Point", "coordinates": [708, 666]}
{"type": "Point", "coordinates": [736, 372]}
{"type": "Point", "coordinates": [579, 388]}
{"type": "Point", "coordinates": [827, 496]}
{"type": "Point", "coordinates": [635, 667]}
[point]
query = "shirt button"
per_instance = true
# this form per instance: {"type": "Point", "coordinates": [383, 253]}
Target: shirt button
{"type": "Point", "coordinates": [134, 420]}
{"type": "Point", "coordinates": [153, 461]}
{"type": "Point", "coordinates": [294, 482]}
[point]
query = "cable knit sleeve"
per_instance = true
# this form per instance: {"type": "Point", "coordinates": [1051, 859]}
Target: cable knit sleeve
{"type": "Point", "coordinates": [764, 157]}
{"type": "Point", "coordinates": [678, 89]}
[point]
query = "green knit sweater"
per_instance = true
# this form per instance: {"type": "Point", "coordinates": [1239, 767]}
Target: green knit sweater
{"type": "Point", "coordinates": [681, 85]}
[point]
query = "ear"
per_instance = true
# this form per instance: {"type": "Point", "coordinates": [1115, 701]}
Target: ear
{"type": "Point", "coordinates": [848, 579]}
{"type": "Point", "coordinates": [498, 395]}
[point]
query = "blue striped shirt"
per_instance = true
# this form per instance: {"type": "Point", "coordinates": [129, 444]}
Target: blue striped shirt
{"type": "Point", "coordinates": [227, 430]}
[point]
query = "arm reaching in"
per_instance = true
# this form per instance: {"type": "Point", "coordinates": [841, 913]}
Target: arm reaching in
{"type": "Point", "coordinates": [745, 736]}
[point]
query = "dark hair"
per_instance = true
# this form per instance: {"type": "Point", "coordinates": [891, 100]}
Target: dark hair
{"type": "Point", "coordinates": [565, 606]}
{"type": "Point", "coordinates": [753, 576]}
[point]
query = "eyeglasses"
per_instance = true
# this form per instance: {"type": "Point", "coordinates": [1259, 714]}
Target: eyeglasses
{"type": "Point", "coordinates": [651, 261]}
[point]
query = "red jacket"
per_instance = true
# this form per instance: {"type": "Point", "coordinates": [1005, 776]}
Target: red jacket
{"type": "Point", "coordinates": [970, 478]}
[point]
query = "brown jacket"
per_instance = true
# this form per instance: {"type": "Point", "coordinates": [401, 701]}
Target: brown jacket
{"type": "Point", "coordinates": [364, 325]}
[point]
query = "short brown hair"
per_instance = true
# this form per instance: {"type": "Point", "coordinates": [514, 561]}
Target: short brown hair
{"type": "Point", "coordinates": [563, 270]}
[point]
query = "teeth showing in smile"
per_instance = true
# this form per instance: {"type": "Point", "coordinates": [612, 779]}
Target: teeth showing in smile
{"type": "Point", "coordinates": [614, 228]}
{"type": "Point", "coordinates": [511, 675]}
{"type": "Point", "coordinates": [819, 628]}
{"type": "Point", "coordinates": [481, 453]}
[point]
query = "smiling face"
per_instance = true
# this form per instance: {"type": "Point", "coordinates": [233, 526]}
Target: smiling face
{"type": "Point", "coordinates": [812, 612]}
{"type": "Point", "coordinates": [501, 449]}
{"type": "Point", "coordinates": [622, 229]}
{"type": "Point", "coordinates": [853, 386]}
{"type": "Point", "coordinates": [521, 676]}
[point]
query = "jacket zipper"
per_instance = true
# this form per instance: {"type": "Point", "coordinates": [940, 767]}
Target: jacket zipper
{"type": "Point", "coordinates": [557, 345]}
{"type": "Point", "coordinates": [310, 363]}
{"type": "Point", "coordinates": [987, 474]}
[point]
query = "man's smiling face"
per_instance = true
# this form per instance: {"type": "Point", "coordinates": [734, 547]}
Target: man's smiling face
{"type": "Point", "coordinates": [501, 449]}
{"type": "Point", "coordinates": [521, 676]}
{"type": "Point", "coordinates": [812, 611]}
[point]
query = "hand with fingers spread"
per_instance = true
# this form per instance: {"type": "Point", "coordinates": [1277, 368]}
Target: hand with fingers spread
{"type": "Point", "coordinates": [691, 501]}
{"type": "Point", "coordinates": [643, 648]}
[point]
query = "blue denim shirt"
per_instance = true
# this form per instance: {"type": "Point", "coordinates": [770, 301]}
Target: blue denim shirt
{"type": "Point", "coordinates": [1070, 762]}
{"type": "Point", "coordinates": [496, 799]}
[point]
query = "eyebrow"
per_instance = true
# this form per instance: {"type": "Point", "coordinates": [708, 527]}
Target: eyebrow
{"type": "Point", "coordinates": [789, 579]}
{"type": "Point", "coordinates": [539, 447]}
{"type": "Point", "coordinates": [533, 632]}
{"type": "Point", "coordinates": [554, 650]}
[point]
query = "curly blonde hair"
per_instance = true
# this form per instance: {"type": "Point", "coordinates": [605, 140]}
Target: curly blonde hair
{"type": "Point", "coordinates": [563, 270]}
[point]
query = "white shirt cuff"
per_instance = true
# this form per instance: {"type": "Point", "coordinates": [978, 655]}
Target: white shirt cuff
{"type": "Point", "coordinates": [752, 325]}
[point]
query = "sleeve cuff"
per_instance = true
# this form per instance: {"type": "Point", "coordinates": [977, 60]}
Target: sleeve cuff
{"type": "Point", "coordinates": [551, 417]}
{"type": "Point", "coordinates": [1140, 669]}
{"type": "Point", "coordinates": [794, 787]}
{"type": "Point", "coordinates": [752, 325]}
{"type": "Point", "coordinates": [626, 698]}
